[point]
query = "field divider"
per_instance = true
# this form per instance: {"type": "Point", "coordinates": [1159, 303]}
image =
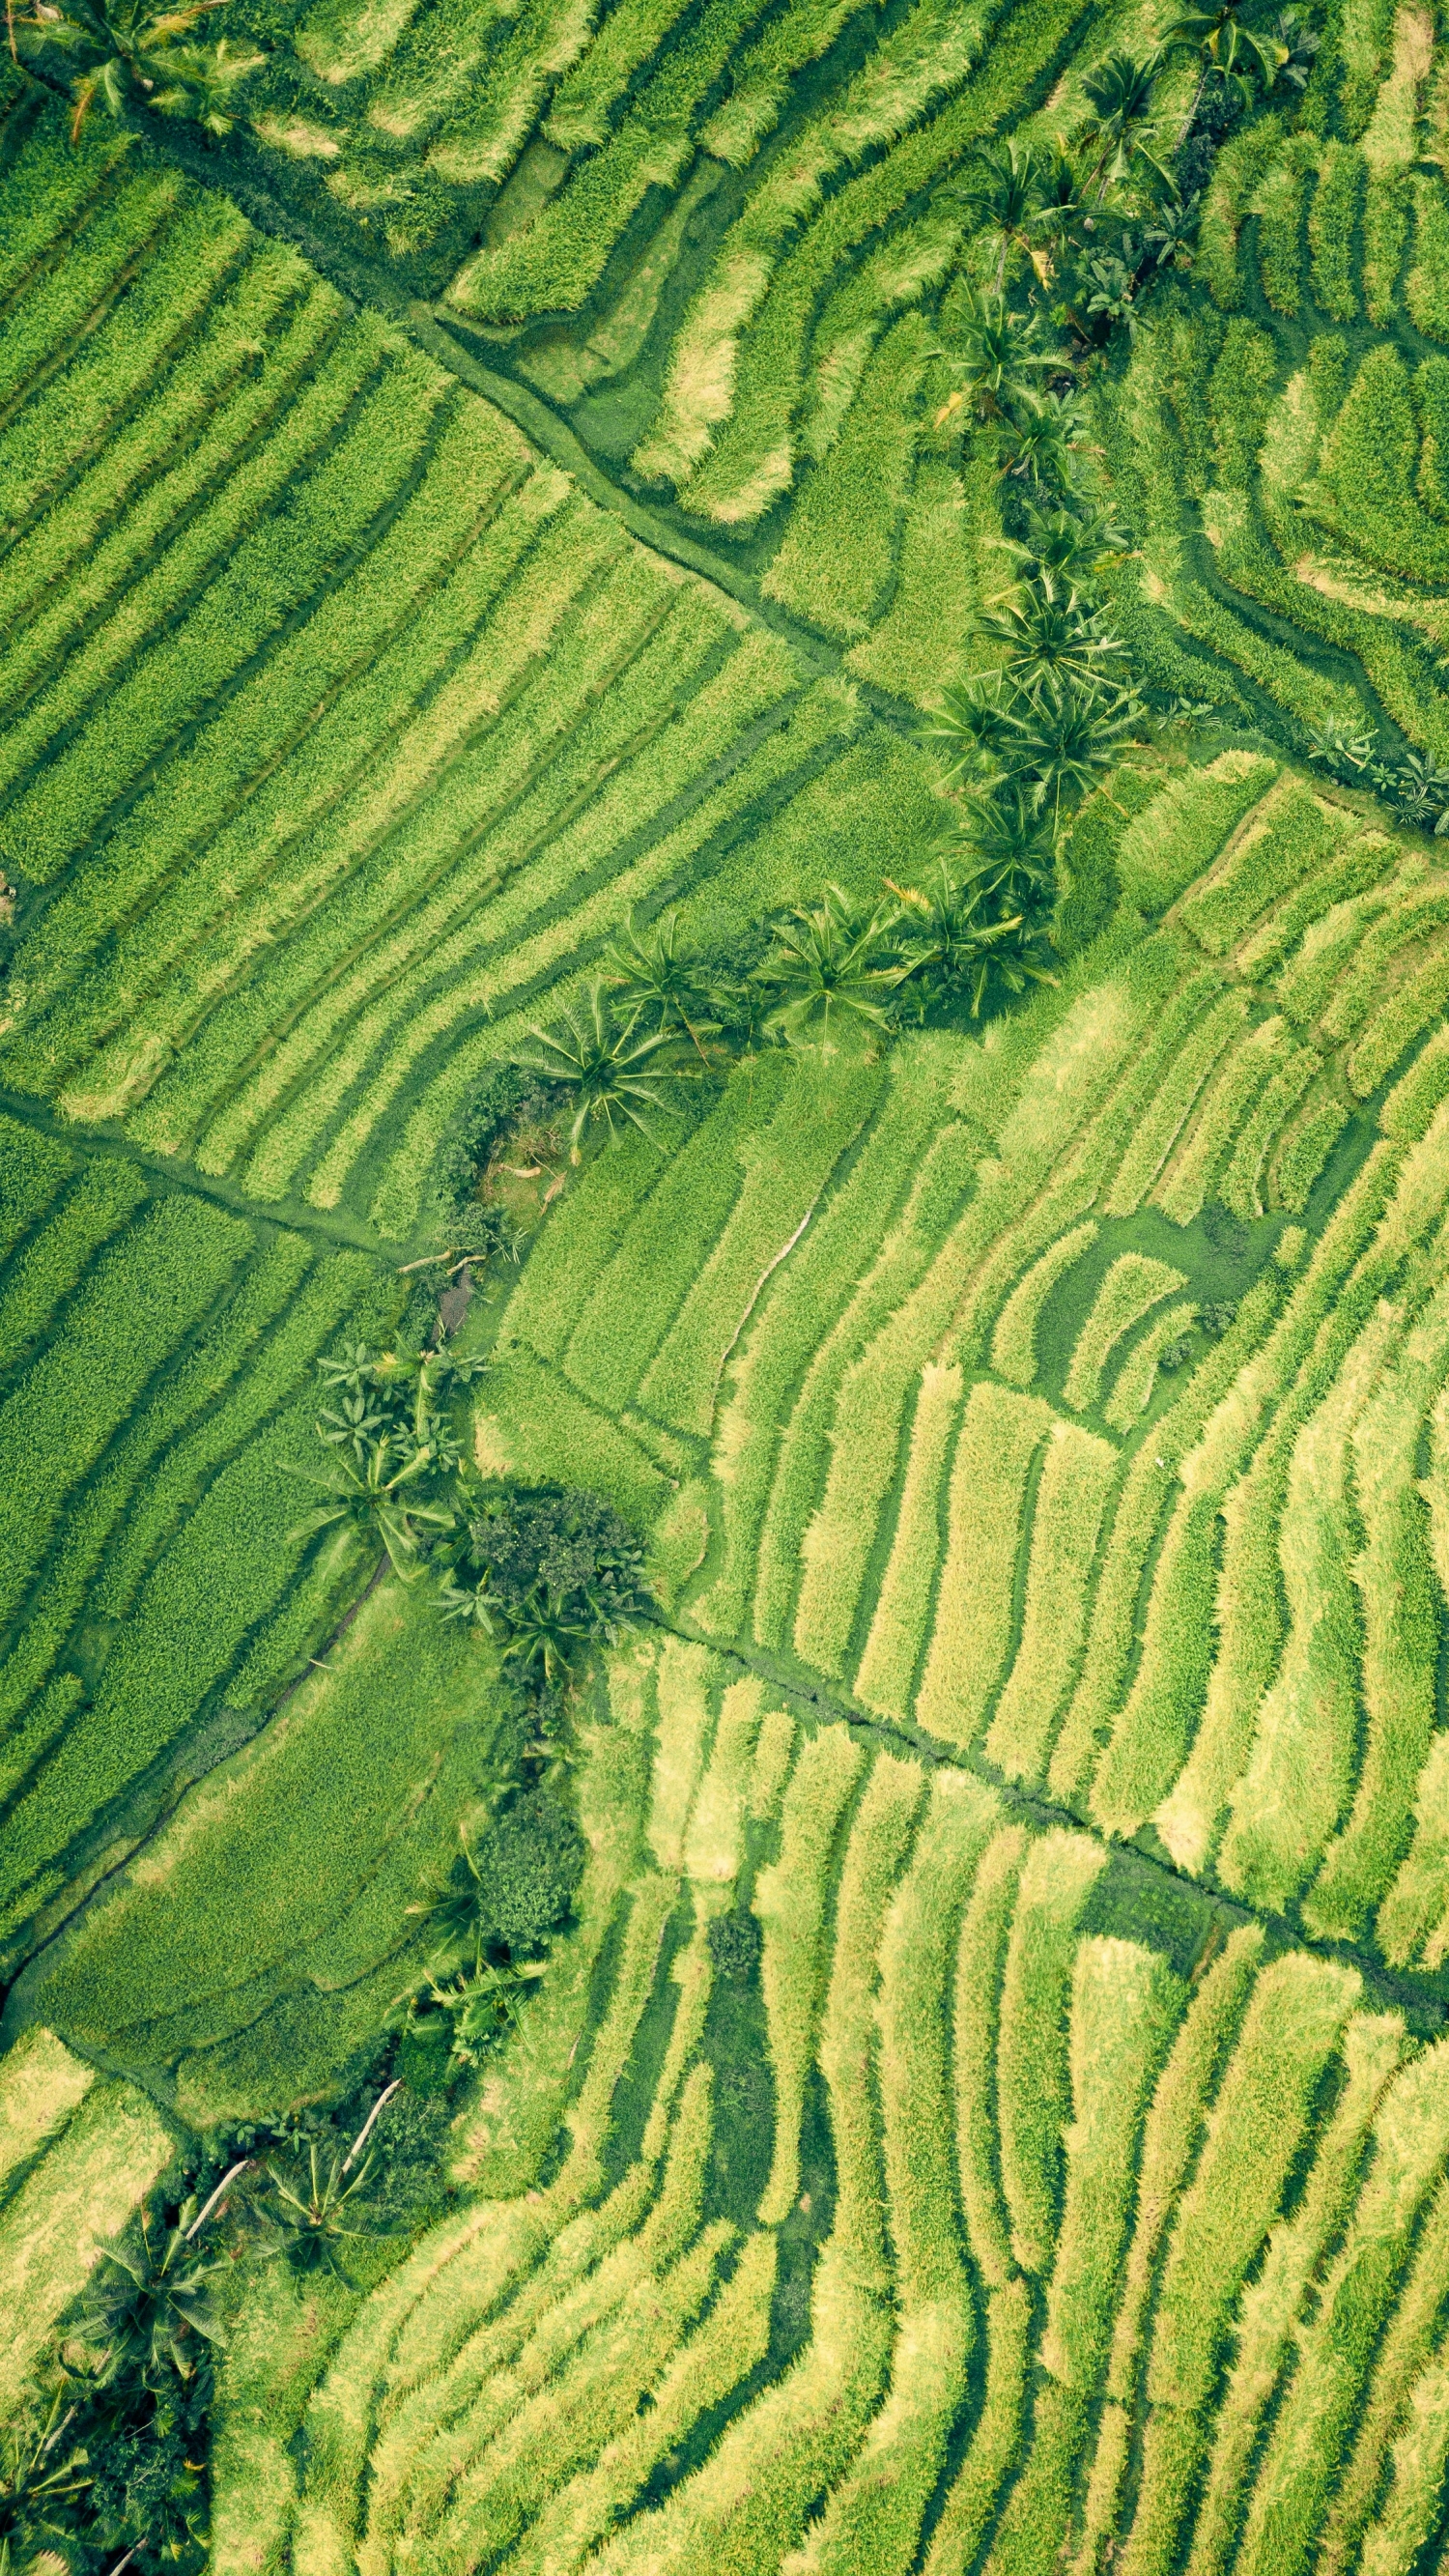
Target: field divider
{"type": "Point", "coordinates": [107, 179]}
{"type": "Point", "coordinates": [322, 1225]}
{"type": "Point", "coordinates": [555, 958]}
{"type": "Point", "coordinates": [420, 986]}
{"type": "Point", "coordinates": [808, 1691]}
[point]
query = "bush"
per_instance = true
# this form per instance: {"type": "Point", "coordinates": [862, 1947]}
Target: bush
{"type": "Point", "coordinates": [570, 1546]}
{"type": "Point", "coordinates": [509, 1098]}
{"type": "Point", "coordinates": [734, 1945]}
{"type": "Point", "coordinates": [530, 1863]}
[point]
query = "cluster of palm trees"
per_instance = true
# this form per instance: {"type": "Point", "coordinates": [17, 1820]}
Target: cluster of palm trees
{"type": "Point", "coordinates": [546, 1573]}
{"type": "Point", "coordinates": [1417, 784]}
{"type": "Point", "coordinates": [838, 975]}
{"type": "Point", "coordinates": [1050, 208]}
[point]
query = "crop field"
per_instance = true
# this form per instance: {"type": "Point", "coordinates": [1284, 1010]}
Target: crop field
{"type": "Point", "coordinates": [1060, 1438]}
{"type": "Point", "coordinates": [802, 1929]}
{"type": "Point", "coordinates": [1015, 2195]}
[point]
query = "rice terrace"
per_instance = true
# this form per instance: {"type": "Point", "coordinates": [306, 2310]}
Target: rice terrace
{"type": "Point", "coordinates": [724, 1288]}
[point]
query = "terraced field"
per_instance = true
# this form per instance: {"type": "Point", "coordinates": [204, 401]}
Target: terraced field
{"type": "Point", "coordinates": [1014, 2196]}
{"type": "Point", "coordinates": [356, 728]}
{"type": "Point", "coordinates": [987, 2108]}
{"type": "Point", "coordinates": [1279, 441]}
{"type": "Point", "coordinates": [1020, 1406]}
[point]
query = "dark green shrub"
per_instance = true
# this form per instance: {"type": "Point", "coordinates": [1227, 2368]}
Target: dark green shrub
{"type": "Point", "coordinates": [530, 1863]}
{"type": "Point", "coordinates": [734, 1944]}
{"type": "Point", "coordinates": [511, 1097]}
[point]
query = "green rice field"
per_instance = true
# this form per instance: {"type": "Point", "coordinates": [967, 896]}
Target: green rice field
{"type": "Point", "coordinates": [882, 2007]}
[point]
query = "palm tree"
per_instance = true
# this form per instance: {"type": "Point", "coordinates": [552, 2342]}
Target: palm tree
{"type": "Point", "coordinates": [40, 2482]}
{"type": "Point", "coordinates": [1061, 196]}
{"type": "Point", "coordinates": [151, 2305]}
{"type": "Point", "coordinates": [616, 1072]}
{"type": "Point", "coordinates": [970, 732]}
{"type": "Point", "coordinates": [482, 2002]}
{"type": "Point", "coordinates": [547, 1630]}
{"type": "Point", "coordinates": [136, 56]}
{"type": "Point", "coordinates": [998, 360]}
{"type": "Point", "coordinates": [957, 942]}
{"type": "Point", "coordinates": [371, 1497]}
{"type": "Point", "coordinates": [1113, 299]}
{"type": "Point", "coordinates": [1064, 735]}
{"type": "Point", "coordinates": [1067, 545]}
{"type": "Point", "coordinates": [1119, 93]}
{"type": "Point", "coordinates": [1045, 629]}
{"type": "Point", "coordinates": [1041, 439]}
{"type": "Point", "coordinates": [357, 1423]}
{"type": "Point", "coordinates": [831, 971]}
{"type": "Point", "coordinates": [318, 2211]}
{"type": "Point", "coordinates": [1005, 192]}
{"type": "Point", "coordinates": [1009, 848]}
{"type": "Point", "coordinates": [651, 979]}
{"type": "Point", "coordinates": [1234, 53]}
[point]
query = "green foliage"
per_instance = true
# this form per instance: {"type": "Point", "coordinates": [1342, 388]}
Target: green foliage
{"type": "Point", "coordinates": [735, 1945]}
{"type": "Point", "coordinates": [135, 56]}
{"type": "Point", "coordinates": [829, 974]}
{"type": "Point", "coordinates": [550, 1570]}
{"type": "Point", "coordinates": [317, 2206]}
{"type": "Point", "coordinates": [368, 1494]}
{"type": "Point", "coordinates": [970, 940]}
{"type": "Point", "coordinates": [44, 2473]}
{"type": "Point", "coordinates": [614, 1074]}
{"type": "Point", "coordinates": [530, 1861]}
{"type": "Point", "coordinates": [152, 2309]}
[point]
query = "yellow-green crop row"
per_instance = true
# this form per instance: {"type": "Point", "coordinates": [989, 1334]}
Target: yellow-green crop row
{"type": "Point", "coordinates": [778, 1344]}
{"type": "Point", "coordinates": [1072, 1496]}
{"type": "Point", "coordinates": [1131, 1288]}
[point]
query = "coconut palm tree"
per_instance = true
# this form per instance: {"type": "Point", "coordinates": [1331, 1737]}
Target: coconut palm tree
{"type": "Point", "coordinates": [831, 973]}
{"type": "Point", "coordinates": [1004, 191]}
{"type": "Point", "coordinates": [372, 1497]}
{"type": "Point", "coordinates": [1061, 198]}
{"type": "Point", "coordinates": [1068, 545]}
{"type": "Point", "coordinates": [650, 979]}
{"type": "Point", "coordinates": [998, 360]}
{"type": "Point", "coordinates": [1009, 848]}
{"type": "Point", "coordinates": [1040, 440]}
{"type": "Point", "coordinates": [318, 2208]}
{"type": "Point", "coordinates": [1063, 735]}
{"type": "Point", "coordinates": [617, 1073]}
{"type": "Point", "coordinates": [958, 945]}
{"type": "Point", "coordinates": [970, 732]}
{"type": "Point", "coordinates": [1044, 628]}
{"type": "Point", "coordinates": [547, 1631]}
{"type": "Point", "coordinates": [1234, 52]}
{"type": "Point", "coordinates": [152, 2307]}
{"type": "Point", "coordinates": [135, 55]}
{"type": "Point", "coordinates": [42, 2478]}
{"type": "Point", "coordinates": [1120, 95]}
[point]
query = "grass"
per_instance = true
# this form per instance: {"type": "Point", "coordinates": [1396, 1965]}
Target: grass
{"type": "Point", "coordinates": [997, 1444]}
{"type": "Point", "coordinates": [82, 2191]}
{"type": "Point", "coordinates": [1045, 1409]}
